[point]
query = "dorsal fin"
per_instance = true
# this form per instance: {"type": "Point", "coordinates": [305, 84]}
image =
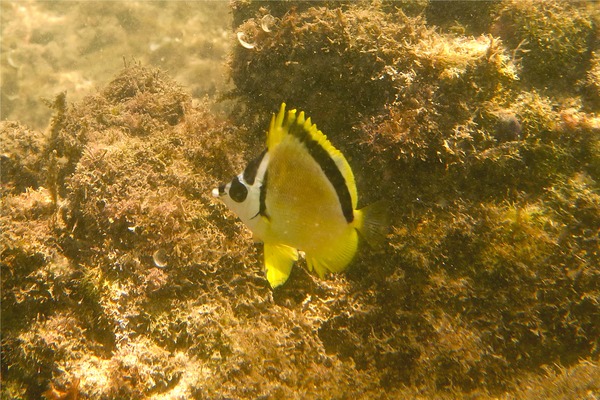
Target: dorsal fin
{"type": "Point", "coordinates": [339, 172]}
{"type": "Point", "coordinates": [276, 130]}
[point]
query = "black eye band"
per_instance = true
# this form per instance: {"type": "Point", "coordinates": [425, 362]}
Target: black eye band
{"type": "Point", "coordinates": [238, 192]}
{"type": "Point", "coordinates": [252, 168]}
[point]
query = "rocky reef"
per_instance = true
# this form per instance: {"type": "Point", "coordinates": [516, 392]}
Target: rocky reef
{"type": "Point", "coordinates": [123, 278]}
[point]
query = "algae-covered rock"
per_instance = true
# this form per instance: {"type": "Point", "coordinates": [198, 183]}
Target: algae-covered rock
{"type": "Point", "coordinates": [592, 82]}
{"type": "Point", "coordinates": [317, 58]}
{"type": "Point", "coordinates": [462, 17]}
{"type": "Point", "coordinates": [129, 281]}
{"type": "Point", "coordinates": [553, 39]}
{"type": "Point", "coordinates": [123, 278]}
{"type": "Point", "coordinates": [470, 155]}
{"type": "Point", "coordinates": [21, 157]}
{"type": "Point", "coordinates": [122, 191]}
{"type": "Point", "coordinates": [36, 277]}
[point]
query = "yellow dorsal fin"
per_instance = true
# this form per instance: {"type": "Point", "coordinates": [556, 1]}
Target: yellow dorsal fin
{"type": "Point", "coordinates": [289, 123]}
{"type": "Point", "coordinates": [276, 129]}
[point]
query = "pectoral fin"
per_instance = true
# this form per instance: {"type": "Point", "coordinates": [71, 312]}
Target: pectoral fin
{"type": "Point", "coordinates": [278, 263]}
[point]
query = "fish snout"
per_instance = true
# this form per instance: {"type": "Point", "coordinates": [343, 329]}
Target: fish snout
{"type": "Point", "coordinates": [220, 191]}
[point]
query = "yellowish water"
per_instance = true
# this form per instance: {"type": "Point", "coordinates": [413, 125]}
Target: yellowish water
{"type": "Point", "coordinates": [76, 46]}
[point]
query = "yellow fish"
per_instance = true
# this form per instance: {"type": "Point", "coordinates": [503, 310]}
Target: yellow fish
{"type": "Point", "coordinates": [300, 194]}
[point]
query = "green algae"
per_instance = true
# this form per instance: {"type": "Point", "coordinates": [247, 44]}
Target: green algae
{"type": "Point", "coordinates": [555, 39]}
{"type": "Point", "coordinates": [489, 277]}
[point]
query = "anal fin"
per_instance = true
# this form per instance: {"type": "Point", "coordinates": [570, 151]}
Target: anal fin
{"type": "Point", "coordinates": [279, 260]}
{"type": "Point", "coordinates": [336, 256]}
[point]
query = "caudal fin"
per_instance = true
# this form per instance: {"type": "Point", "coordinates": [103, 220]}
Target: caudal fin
{"type": "Point", "coordinates": [373, 223]}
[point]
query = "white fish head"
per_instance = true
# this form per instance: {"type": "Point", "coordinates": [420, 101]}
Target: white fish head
{"type": "Point", "coordinates": [242, 194]}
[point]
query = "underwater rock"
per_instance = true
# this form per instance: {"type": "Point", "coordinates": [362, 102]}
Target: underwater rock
{"type": "Point", "coordinates": [461, 139]}
{"type": "Point", "coordinates": [21, 157]}
{"type": "Point", "coordinates": [72, 393]}
{"type": "Point", "coordinates": [552, 39]}
{"type": "Point", "coordinates": [333, 62]}
{"type": "Point", "coordinates": [592, 82]}
{"type": "Point", "coordinates": [462, 17]}
{"type": "Point", "coordinates": [490, 273]}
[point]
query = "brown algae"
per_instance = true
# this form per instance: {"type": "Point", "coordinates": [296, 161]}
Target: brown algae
{"type": "Point", "coordinates": [488, 286]}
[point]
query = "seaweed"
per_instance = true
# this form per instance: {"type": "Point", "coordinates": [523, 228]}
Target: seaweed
{"type": "Point", "coordinates": [119, 270]}
{"type": "Point", "coordinates": [555, 39]}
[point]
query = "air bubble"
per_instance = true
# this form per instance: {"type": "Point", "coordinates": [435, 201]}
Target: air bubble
{"type": "Point", "coordinates": [241, 36]}
{"type": "Point", "coordinates": [267, 22]}
{"type": "Point", "coordinates": [160, 258]}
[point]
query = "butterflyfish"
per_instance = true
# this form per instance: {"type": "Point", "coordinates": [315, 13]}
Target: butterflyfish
{"type": "Point", "coordinates": [299, 194]}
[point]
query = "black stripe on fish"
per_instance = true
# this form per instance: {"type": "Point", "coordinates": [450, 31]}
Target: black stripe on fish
{"type": "Point", "coordinates": [262, 197]}
{"type": "Point", "coordinates": [252, 168]}
{"type": "Point", "coordinates": [329, 167]}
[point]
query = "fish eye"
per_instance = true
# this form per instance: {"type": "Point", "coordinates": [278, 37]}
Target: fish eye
{"type": "Point", "coordinates": [238, 191]}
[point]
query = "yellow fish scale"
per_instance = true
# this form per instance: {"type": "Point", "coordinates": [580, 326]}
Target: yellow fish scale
{"type": "Point", "coordinates": [304, 209]}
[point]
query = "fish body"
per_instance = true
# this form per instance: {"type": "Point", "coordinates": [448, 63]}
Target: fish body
{"type": "Point", "coordinates": [300, 194]}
